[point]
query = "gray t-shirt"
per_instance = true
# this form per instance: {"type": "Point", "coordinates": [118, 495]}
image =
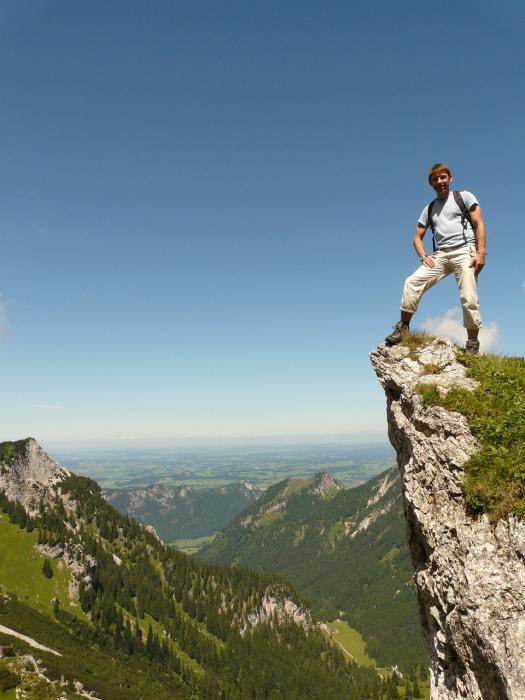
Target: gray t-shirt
{"type": "Point", "coordinates": [446, 216]}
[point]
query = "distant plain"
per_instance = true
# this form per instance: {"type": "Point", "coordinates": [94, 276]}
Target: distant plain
{"type": "Point", "coordinates": [215, 466]}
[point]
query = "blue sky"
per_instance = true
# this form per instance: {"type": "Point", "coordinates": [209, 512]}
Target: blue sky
{"type": "Point", "coordinates": [207, 208]}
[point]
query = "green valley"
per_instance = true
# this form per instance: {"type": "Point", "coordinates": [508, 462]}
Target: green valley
{"type": "Point", "coordinates": [192, 545]}
{"type": "Point", "coordinates": [344, 549]}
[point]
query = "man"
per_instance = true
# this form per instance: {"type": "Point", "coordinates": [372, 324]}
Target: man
{"type": "Point", "coordinates": [459, 247]}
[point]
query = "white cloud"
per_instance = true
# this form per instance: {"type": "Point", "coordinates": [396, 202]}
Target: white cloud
{"type": "Point", "coordinates": [451, 326]}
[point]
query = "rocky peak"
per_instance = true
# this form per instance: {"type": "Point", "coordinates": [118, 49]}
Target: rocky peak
{"type": "Point", "coordinates": [249, 486]}
{"type": "Point", "coordinates": [470, 573]}
{"type": "Point", "coordinates": [324, 485]}
{"type": "Point", "coordinates": [27, 473]}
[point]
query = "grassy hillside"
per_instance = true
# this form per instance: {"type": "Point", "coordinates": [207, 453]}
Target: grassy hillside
{"type": "Point", "coordinates": [21, 570]}
{"type": "Point", "coordinates": [25, 606]}
{"type": "Point", "coordinates": [152, 623]}
{"type": "Point", "coordinates": [345, 551]}
{"type": "Point", "coordinates": [105, 671]}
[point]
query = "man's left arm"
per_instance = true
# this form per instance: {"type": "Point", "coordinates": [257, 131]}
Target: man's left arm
{"type": "Point", "coordinates": [478, 261]}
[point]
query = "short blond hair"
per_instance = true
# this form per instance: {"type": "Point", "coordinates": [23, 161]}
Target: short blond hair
{"type": "Point", "coordinates": [436, 168]}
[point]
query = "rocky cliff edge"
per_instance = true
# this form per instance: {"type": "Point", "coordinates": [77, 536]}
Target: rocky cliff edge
{"type": "Point", "coordinates": [28, 474]}
{"type": "Point", "coordinates": [470, 573]}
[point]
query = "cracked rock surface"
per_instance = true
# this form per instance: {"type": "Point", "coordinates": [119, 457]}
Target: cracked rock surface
{"type": "Point", "coordinates": [470, 573]}
{"type": "Point", "coordinates": [32, 475]}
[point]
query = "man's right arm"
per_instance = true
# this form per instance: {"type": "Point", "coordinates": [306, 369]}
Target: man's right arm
{"type": "Point", "coordinates": [427, 260]}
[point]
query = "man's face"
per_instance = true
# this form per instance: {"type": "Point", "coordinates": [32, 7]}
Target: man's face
{"type": "Point", "coordinates": [440, 182]}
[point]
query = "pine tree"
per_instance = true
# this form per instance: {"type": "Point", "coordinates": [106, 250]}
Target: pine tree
{"type": "Point", "coordinates": [392, 687]}
{"type": "Point", "coordinates": [149, 641]}
{"type": "Point", "coordinates": [138, 631]}
{"type": "Point", "coordinates": [46, 569]}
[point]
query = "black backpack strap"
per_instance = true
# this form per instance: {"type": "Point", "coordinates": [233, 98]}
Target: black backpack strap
{"type": "Point", "coordinates": [431, 224]}
{"type": "Point", "coordinates": [465, 214]}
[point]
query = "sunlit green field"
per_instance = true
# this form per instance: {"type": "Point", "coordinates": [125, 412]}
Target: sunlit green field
{"type": "Point", "coordinates": [351, 642]}
{"type": "Point", "coordinates": [354, 645]}
{"type": "Point", "coordinates": [21, 570]}
{"type": "Point", "coordinates": [192, 545]}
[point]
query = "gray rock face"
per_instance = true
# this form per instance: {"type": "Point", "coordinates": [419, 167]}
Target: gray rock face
{"type": "Point", "coordinates": [470, 574]}
{"type": "Point", "coordinates": [274, 603]}
{"type": "Point", "coordinates": [31, 474]}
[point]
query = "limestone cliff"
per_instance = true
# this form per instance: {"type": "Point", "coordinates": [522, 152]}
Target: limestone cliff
{"type": "Point", "coordinates": [470, 573]}
{"type": "Point", "coordinates": [28, 474]}
{"type": "Point", "coordinates": [277, 604]}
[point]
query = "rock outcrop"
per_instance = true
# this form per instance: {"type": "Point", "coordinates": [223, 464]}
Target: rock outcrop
{"type": "Point", "coordinates": [325, 485]}
{"type": "Point", "coordinates": [29, 475]}
{"type": "Point", "coordinates": [470, 573]}
{"type": "Point", "coordinates": [278, 607]}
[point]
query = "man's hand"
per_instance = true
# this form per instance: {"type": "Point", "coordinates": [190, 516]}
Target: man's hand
{"type": "Point", "coordinates": [428, 261]}
{"type": "Point", "coordinates": [478, 263]}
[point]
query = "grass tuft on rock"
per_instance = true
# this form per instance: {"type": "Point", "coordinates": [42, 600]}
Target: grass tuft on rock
{"type": "Point", "coordinates": [416, 341]}
{"type": "Point", "coordinates": [431, 368]}
{"type": "Point", "coordinates": [495, 476]}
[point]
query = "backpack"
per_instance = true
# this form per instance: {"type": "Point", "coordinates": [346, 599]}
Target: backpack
{"type": "Point", "coordinates": [465, 217]}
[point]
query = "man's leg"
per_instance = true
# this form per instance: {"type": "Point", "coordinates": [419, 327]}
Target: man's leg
{"type": "Point", "coordinates": [468, 291]}
{"type": "Point", "coordinates": [415, 286]}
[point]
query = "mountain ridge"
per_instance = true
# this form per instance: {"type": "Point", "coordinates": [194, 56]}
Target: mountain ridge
{"type": "Point", "coordinates": [173, 627]}
{"type": "Point", "coordinates": [179, 512]}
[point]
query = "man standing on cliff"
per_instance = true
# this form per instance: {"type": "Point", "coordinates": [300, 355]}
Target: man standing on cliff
{"type": "Point", "coordinates": [458, 246]}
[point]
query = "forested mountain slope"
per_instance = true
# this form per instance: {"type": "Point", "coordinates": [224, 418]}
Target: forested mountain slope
{"type": "Point", "coordinates": [344, 549]}
{"type": "Point", "coordinates": [132, 618]}
{"type": "Point", "coordinates": [178, 512]}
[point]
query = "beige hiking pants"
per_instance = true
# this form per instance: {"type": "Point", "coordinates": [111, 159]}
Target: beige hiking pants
{"type": "Point", "coordinates": [456, 261]}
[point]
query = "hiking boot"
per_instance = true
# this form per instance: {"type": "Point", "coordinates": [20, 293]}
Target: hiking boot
{"type": "Point", "coordinates": [472, 347]}
{"type": "Point", "coordinates": [397, 334]}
